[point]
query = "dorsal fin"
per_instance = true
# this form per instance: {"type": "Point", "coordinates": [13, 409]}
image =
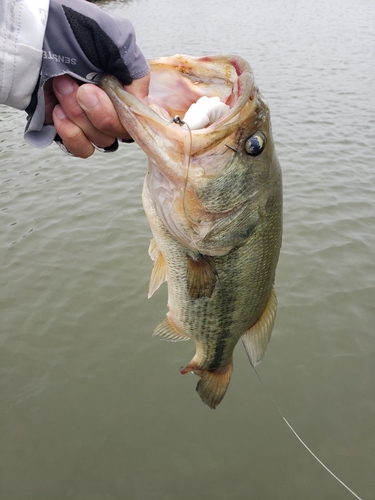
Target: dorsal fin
{"type": "Point", "coordinates": [166, 331]}
{"type": "Point", "coordinates": [256, 339]}
{"type": "Point", "coordinates": [201, 276]}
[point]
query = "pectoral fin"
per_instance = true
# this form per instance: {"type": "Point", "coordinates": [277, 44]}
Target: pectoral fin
{"type": "Point", "coordinates": [256, 339]}
{"type": "Point", "coordinates": [158, 274]}
{"type": "Point", "coordinates": [166, 331]}
{"type": "Point", "coordinates": [201, 276]}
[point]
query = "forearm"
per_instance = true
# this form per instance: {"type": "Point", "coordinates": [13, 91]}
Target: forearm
{"type": "Point", "coordinates": [41, 40]}
{"type": "Point", "coordinates": [22, 28]}
{"type": "Point", "coordinates": [83, 41]}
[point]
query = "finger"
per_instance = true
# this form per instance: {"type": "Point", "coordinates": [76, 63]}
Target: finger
{"type": "Point", "coordinates": [100, 111]}
{"type": "Point", "coordinates": [65, 89]}
{"type": "Point", "coordinates": [72, 136]}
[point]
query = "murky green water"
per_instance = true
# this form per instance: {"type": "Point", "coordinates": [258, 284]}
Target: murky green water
{"type": "Point", "coordinates": [93, 407]}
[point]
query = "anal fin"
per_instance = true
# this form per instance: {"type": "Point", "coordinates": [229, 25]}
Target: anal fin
{"type": "Point", "coordinates": [256, 339]}
{"type": "Point", "coordinates": [166, 331]}
{"type": "Point", "coordinates": [201, 276]}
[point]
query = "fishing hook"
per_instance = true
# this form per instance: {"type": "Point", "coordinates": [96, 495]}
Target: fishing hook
{"type": "Point", "coordinates": [178, 120]}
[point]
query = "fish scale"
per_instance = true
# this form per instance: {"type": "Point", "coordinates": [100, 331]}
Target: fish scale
{"type": "Point", "coordinates": [213, 199]}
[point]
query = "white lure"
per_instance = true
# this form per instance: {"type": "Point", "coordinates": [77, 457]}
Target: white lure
{"type": "Point", "coordinates": [204, 112]}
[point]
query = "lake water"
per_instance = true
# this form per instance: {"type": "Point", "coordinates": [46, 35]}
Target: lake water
{"type": "Point", "coordinates": [93, 407]}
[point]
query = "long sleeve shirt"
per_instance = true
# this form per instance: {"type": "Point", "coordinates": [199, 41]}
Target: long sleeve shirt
{"type": "Point", "coordinates": [41, 39]}
{"type": "Point", "coordinates": [22, 28]}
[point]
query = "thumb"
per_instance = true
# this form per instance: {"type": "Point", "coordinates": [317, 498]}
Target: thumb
{"type": "Point", "coordinates": [100, 111]}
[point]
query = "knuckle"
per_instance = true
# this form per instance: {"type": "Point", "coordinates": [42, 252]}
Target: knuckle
{"type": "Point", "coordinates": [107, 122]}
{"type": "Point", "coordinates": [76, 113]}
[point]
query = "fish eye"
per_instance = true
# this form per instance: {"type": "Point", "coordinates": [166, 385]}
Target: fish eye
{"type": "Point", "coordinates": [255, 144]}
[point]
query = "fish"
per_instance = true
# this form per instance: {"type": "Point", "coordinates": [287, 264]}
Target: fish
{"type": "Point", "coordinates": [213, 199]}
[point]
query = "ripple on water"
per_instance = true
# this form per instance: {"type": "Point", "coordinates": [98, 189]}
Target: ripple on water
{"type": "Point", "coordinates": [82, 381]}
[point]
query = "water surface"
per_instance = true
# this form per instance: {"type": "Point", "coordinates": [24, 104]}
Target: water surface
{"type": "Point", "coordinates": [93, 407]}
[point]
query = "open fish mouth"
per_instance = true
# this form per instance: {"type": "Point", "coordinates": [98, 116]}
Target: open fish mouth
{"type": "Point", "coordinates": [187, 158]}
{"type": "Point", "coordinates": [177, 83]}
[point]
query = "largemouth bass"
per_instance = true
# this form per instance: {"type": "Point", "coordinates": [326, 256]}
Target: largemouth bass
{"type": "Point", "coordinates": [213, 198]}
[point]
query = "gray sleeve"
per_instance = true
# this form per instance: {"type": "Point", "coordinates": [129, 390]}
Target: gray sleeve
{"type": "Point", "coordinates": [120, 30]}
{"type": "Point", "coordinates": [82, 41]}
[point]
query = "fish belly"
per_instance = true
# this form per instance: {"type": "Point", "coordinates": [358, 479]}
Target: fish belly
{"type": "Point", "coordinates": [213, 300]}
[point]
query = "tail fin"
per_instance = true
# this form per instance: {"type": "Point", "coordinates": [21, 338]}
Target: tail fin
{"type": "Point", "coordinates": [212, 385]}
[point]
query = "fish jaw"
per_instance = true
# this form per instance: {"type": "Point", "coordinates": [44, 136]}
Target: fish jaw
{"type": "Point", "coordinates": [189, 170]}
{"type": "Point", "coordinates": [158, 138]}
{"type": "Point", "coordinates": [176, 83]}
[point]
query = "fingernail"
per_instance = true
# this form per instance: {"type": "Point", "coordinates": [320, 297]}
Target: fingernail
{"type": "Point", "coordinates": [87, 97]}
{"type": "Point", "coordinates": [60, 112]}
{"type": "Point", "coordinates": [64, 85]}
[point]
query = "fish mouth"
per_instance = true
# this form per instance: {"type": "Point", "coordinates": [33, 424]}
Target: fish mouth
{"type": "Point", "coordinates": [183, 161]}
{"type": "Point", "coordinates": [176, 83]}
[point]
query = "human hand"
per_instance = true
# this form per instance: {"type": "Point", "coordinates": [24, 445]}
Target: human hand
{"type": "Point", "coordinates": [82, 42]}
{"type": "Point", "coordinates": [84, 116]}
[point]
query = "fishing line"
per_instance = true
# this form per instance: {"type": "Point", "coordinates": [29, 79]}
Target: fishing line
{"type": "Point", "coordinates": [301, 440]}
{"type": "Point", "coordinates": [180, 122]}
